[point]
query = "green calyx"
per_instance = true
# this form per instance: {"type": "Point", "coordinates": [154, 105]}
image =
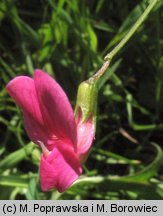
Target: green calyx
{"type": "Point", "coordinates": [87, 100]}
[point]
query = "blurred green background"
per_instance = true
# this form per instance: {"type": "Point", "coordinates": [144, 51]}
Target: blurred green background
{"type": "Point", "coordinates": [69, 39]}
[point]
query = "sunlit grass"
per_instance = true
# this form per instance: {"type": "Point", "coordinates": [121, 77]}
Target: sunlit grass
{"type": "Point", "coordinates": [69, 39]}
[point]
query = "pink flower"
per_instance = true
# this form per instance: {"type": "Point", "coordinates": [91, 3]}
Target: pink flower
{"type": "Point", "coordinates": [50, 123]}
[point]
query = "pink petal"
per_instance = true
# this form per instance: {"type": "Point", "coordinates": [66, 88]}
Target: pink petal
{"type": "Point", "coordinates": [22, 90]}
{"type": "Point", "coordinates": [60, 169]}
{"type": "Point", "coordinates": [35, 131]}
{"type": "Point", "coordinates": [85, 134]}
{"type": "Point", "coordinates": [55, 107]}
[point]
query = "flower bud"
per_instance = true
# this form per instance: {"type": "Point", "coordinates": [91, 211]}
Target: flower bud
{"type": "Point", "coordinates": [86, 101]}
{"type": "Point", "coordinates": [85, 116]}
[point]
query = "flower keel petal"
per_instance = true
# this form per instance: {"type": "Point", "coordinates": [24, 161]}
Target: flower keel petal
{"type": "Point", "coordinates": [60, 169]}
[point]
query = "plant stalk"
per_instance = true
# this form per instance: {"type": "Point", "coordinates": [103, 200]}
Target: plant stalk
{"type": "Point", "coordinates": [135, 27]}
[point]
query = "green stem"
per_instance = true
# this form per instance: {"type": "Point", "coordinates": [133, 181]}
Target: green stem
{"type": "Point", "coordinates": [101, 71]}
{"type": "Point", "coordinates": [131, 31]}
{"type": "Point", "coordinates": [121, 44]}
{"type": "Point", "coordinates": [159, 72]}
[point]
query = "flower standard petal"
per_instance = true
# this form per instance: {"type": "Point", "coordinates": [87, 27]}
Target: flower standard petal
{"type": "Point", "coordinates": [55, 107]}
{"type": "Point", "coordinates": [22, 90]}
